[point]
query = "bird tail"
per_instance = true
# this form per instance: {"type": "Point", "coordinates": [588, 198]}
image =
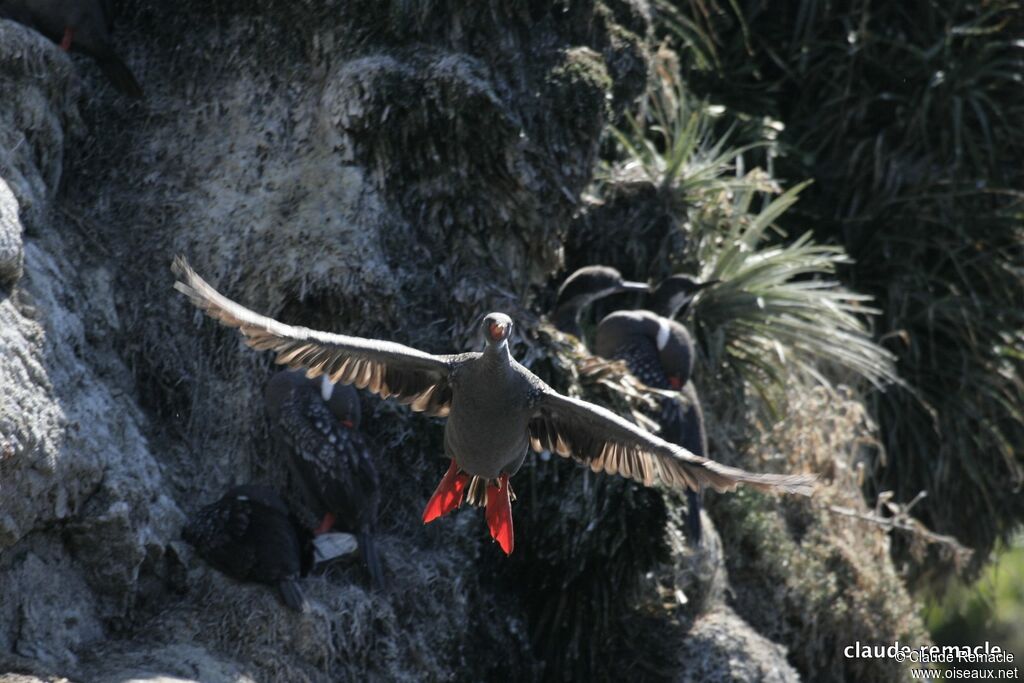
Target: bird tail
{"type": "Point", "coordinates": [368, 547]}
{"type": "Point", "coordinates": [118, 73]}
{"type": "Point", "coordinates": [292, 595]}
{"type": "Point", "coordinates": [693, 526]}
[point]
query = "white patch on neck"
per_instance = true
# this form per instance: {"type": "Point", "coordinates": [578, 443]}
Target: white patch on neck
{"type": "Point", "coordinates": [326, 387]}
{"type": "Point", "coordinates": [663, 333]}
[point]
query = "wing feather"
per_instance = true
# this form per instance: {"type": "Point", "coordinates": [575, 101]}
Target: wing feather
{"type": "Point", "coordinates": [390, 370]}
{"type": "Point", "coordinates": [607, 443]}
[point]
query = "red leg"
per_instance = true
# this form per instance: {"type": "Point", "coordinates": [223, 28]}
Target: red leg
{"type": "Point", "coordinates": [65, 42]}
{"type": "Point", "coordinates": [499, 514]}
{"type": "Point", "coordinates": [326, 525]}
{"type": "Point", "coordinates": [448, 495]}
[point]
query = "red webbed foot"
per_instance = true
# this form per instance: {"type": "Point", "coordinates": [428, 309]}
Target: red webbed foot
{"type": "Point", "coordinates": [326, 525]}
{"type": "Point", "coordinates": [448, 495]}
{"type": "Point", "coordinates": [499, 514]}
{"type": "Point", "coordinates": [65, 42]}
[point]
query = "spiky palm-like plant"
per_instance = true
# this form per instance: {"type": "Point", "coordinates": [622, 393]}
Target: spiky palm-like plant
{"type": "Point", "coordinates": [779, 312]}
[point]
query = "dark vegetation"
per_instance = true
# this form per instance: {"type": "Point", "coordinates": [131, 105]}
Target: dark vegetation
{"type": "Point", "coordinates": [906, 116]}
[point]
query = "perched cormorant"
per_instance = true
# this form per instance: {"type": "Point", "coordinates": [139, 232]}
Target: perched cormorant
{"type": "Point", "coordinates": [79, 25]}
{"type": "Point", "coordinates": [250, 535]}
{"type": "Point", "coordinates": [496, 409]}
{"type": "Point", "coordinates": [317, 424]}
{"type": "Point", "coordinates": [660, 353]}
{"type": "Point", "coordinates": [584, 287]}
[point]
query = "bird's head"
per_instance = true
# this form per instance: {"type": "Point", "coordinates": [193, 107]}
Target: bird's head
{"type": "Point", "coordinates": [675, 352]}
{"type": "Point", "coordinates": [496, 328]}
{"type": "Point", "coordinates": [343, 400]}
{"type": "Point", "coordinates": [674, 294]}
{"type": "Point", "coordinates": [648, 337]}
{"type": "Point", "coordinates": [585, 286]}
{"type": "Point", "coordinates": [592, 282]}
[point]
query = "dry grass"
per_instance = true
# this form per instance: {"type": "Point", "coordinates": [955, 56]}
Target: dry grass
{"type": "Point", "coordinates": [805, 576]}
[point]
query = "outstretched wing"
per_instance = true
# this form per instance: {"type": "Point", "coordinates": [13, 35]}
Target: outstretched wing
{"type": "Point", "coordinates": [601, 439]}
{"type": "Point", "coordinates": [410, 376]}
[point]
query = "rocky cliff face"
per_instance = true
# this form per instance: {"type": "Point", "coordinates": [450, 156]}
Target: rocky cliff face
{"type": "Point", "coordinates": [81, 485]}
{"type": "Point", "coordinates": [383, 168]}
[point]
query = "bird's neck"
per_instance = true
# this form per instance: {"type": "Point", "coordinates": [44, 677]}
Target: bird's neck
{"type": "Point", "coordinates": [567, 318]}
{"type": "Point", "coordinates": [498, 354]}
{"type": "Point", "coordinates": [678, 305]}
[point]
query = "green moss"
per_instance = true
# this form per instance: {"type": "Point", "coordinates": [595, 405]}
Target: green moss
{"type": "Point", "coordinates": [625, 52]}
{"type": "Point", "coordinates": [581, 83]}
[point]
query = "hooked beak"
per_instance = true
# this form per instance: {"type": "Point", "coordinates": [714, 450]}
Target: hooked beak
{"type": "Point", "coordinates": [680, 301]}
{"type": "Point", "coordinates": [628, 286]}
{"type": "Point", "coordinates": [498, 331]}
